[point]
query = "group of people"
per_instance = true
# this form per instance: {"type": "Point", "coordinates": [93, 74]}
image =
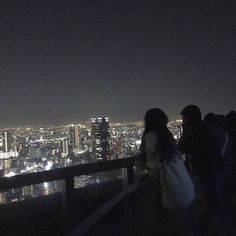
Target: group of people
{"type": "Point", "coordinates": [209, 148]}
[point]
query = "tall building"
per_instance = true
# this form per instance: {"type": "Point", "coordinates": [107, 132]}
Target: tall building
{"type": "Point", "coordinates": [5, 142]}
{"type": "Point", "coordinates": [74, 136]}
{"type": "Point", "coordinates": [100, 138]}
{"type": "Point", "coordinates": [77, 136]}
{"type": "Point", "coordinates": [2, 142]}
{"type": "Point", "coordinates": [6, 139]}
{"type": "Point", "coordinates": [65, 149]}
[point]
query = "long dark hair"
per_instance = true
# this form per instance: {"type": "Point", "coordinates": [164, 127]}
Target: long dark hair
{"type": "Point", "coordinates": [156, 121]}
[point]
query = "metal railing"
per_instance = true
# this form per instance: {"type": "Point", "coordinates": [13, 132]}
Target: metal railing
{"type": "Point", "coordinates": [68, 174]}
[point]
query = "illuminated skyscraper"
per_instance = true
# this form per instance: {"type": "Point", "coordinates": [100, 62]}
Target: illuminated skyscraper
{"type": "Point", "coordinates": [65, 148]}
{"type": "Point", "coordinates": [6, 137]}
{"type": "Point", "coordinates": [2, 143]}
{"type": "Point", "coordinates": [74, 135]}
{"type": "Point", "coordinates": [5, 141]}
{"type": "Point", "coordinates": [77, 136]}
{"type": "Point", "coordinates": [101, 137]}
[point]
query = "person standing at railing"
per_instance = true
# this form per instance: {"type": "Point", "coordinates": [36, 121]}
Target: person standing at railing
{"type": "Point", "coordinates": [159, 152]}
{"type": "Point", "coordinates": [216, 125]}
{"type": "Point", "coordinates": [230, 125]}
{"type": "Point", "coordinates": [201, 147]}
{"type": "Point", "coordinates": [223, 139]}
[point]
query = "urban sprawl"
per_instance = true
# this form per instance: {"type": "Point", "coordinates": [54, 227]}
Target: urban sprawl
{"type": "Point", "coordinates": [34, 149]}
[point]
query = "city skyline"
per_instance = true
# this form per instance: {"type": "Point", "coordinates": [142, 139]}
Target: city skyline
{"type": "Point", "coordinates": [67, 61]}
{"type": "Point", "coordinates": [83, 123]}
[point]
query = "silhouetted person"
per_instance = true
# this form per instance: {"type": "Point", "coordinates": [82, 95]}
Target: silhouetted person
{"type": "Point", "coordinates": [201, 147]}
{"type": "Point", "coordinates": [230, 124]}
{"type": "Point", "coordinates": [221, 118]}
{"type": "Point", "coordinates": [199, 144]}
{"type": "Point", "coordinates": [215, 123]}
{"type": "Point", "coordinates": [158, 144]}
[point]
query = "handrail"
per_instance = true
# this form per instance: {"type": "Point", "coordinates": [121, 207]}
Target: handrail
{"type": "Point", "coordinates": [92, 219]}
{"type": "Point", "coordinates": [66, 173]}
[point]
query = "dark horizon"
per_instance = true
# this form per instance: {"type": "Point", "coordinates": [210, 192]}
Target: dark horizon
{"type": "Point", "coordinates": [65, 61]}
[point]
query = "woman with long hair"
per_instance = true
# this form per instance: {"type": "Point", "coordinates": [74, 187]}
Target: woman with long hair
{"type": "Point", "coordinates": [157, 141]}
{"type": "Point", "coordinates": [159, 151]}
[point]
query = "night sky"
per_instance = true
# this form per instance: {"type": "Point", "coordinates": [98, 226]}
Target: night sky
{"type": "Point", "coordinates": [66, 61]}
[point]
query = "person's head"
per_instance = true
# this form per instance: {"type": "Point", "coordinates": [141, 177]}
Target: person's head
{"type": "Point", "coordinates": [191, 114]}
{"type": "Point", "coordinates": [212, 120]}
{"type": "Point", "coordinates": [221, 118]}
{"type": "Point", "coordinates": [231, 115]}
{"type": "Point", "coordinates": [230, 120]}
{"type": "Point", "coordinates": [155, 119]}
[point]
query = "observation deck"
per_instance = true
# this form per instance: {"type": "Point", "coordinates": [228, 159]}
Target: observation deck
{"type": "Point", "coordinates": [126, 204]}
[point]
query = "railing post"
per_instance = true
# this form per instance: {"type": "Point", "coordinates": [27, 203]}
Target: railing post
{"type": "Point", "coordinates": [124, 177]}
{"type": "Point", "coordinates": [127, 178]}
{"type": "Point", "coordinates": [128, 175]}
{"type": "Point", "coordinates": [68, 187]}
{"type": "Point", "coordinates": [130, 170]}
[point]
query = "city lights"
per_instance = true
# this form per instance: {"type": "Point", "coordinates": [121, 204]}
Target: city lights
{"type": "Point", "coordinates": [34, 149]}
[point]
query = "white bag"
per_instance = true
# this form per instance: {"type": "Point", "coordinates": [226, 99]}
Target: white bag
{"type": "Point", "coordinates": [177, 187]}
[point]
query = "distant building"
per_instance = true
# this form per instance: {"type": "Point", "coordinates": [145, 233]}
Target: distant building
{"type": "Point", "coordinates": [65, 147]}
{"type": "Point", "coordinates": [6, 147]}
{"type": "Point", "coordinates": [74, 136]}
{"type": "Point", "coordinates": [77, 136]}
{"type": "Point", "coordinates": [2, 143]}
{"type": "Point", "coordinates": [5, 166]}
{"type": "Point", "coordinates": [100, 138]}
{"type": "Point", "coordinates": [6, 155]}
{"type": "Point", "coordinates": [5, 141]}
{"type": "Point", "coordinates": [34, 152]}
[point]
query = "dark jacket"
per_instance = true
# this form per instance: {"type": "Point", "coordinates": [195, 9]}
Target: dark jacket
{"type": "Point", "coordinates": [221, 136]}
{"type": "Point", "coordinates": [201, 147]}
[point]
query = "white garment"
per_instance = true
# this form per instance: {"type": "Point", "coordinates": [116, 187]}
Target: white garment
{"type": "Point", "coordinates": [177, 186]}
{"type": "Point", "coordinates": [153, 157]}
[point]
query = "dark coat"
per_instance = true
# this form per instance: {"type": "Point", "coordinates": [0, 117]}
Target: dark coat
{"type": "Point", "coordinates": [201, 147]}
